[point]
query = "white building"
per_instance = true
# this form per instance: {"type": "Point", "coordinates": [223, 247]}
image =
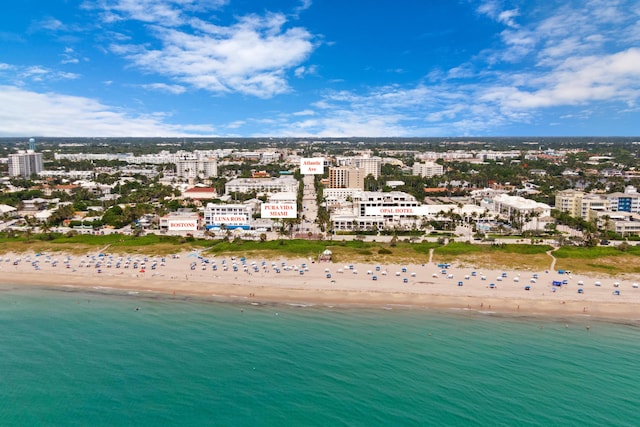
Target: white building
{"type": "Point", "coordinates": [591, 204]}
{"type": "Point", "coordinates": [427, 169]}
{"type": "Point", "coordinates": [623, 223]}
{"type": "Point", "coordinates": [286, 198]}
{"type": "Point", "coordinates": [270, 157]}
{"type": "Point", "coordinates": [285, 183]}
{"type": "Point", "coordinates": [7, 210]}
{"type": "Point", "coordinates": [25, 163]}
{"type": "Point", "coordinates": [357, 216]}
{"type": "Point", "coordinates": [67, 174]}
{"type": "Point", "coordinates": [368, 165]}
{"type": "Point", "coordinates": [227, 216]}
{"type": "Point", "coordinates": [350, 222]}
{"type": "Point", "coordinates": [196, 165]}
{"type": "Point", "coordinates": [334, 195]}
{"type": "Point", "coordinates": [527, 211]}
{"type": "Point", "coordinates": [498, 155]}
{"type": "Point", "coordinates": [182, 220]}
{"type": "Point", "coordinates": [365, 199]}
{"type": "Point", "coordinates": [629, 201]}
{"type": "Point", "coordinates": [162, 157]}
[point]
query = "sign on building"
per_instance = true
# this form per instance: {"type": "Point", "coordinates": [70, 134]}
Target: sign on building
{"type": "Point", "coordinates": [182, 225]}
{"type": "Point", "coordinates": [396, 210]}
{"type": "Point", "coordinates": [230, 221]}
{"type": "Point", "coordinates": [312, 166]}
{"type": "Point", "coordinates": [279, 210]}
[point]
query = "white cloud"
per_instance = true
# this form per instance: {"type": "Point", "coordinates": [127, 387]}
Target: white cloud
{"type": "Point", "coordinates": [236, 124]}
{"type": "Point", "coordinates": [493, 9]}
{"type": "Point", "coordinates": [480, 107]}
{"type": "Point", "coordinates": [166, 12]}
{"type": "Point", "coordinates": [250, 57]}
{"type": "Point", "coordinates": [304, 113]}
{"type": "Point", "coordinates": [578, 54]}
{"type": "Point", "coordinates": [383, 111]}
{"type": "Point", "coordinates": [69, 56]}
{"type": "Point", "coordinates": [304, 5]}
{"type": "Point", "coordinates": [25, 112]}
{"type": "Point", "coordinates": [37, 73]}
{"type": "Point", "coordinates": [51, 24]}
{"type": "Point", "coordinates": [163, 87]}
{"type": "Point", "coordinates": [577, 80]}
{"type": "Point", "coordinates": [507, 17]}
{"type": "Point", "coordinates": [302, 71]}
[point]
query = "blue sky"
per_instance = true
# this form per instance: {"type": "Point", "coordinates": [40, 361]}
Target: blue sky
{"type": "Point", "coordinates": [314, 68]}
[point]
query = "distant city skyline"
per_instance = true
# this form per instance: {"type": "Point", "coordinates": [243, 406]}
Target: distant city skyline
{"type": "Point", "coordinates": [319, 68]}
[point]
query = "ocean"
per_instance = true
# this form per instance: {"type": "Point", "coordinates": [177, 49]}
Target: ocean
{"type": "Point", "coordinates": [76, 358]}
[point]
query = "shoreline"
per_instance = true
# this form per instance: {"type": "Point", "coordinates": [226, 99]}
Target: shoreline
{"type": "Point", "coordinates": [304, 282]}
{"type": "Point", "coordinates": [628, 317]}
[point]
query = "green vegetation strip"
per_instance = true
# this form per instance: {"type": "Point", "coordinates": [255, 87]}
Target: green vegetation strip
{"type": "Point", "coordinates": [594, 252]}
{"type": "Point", "coordinates": [457, 249]}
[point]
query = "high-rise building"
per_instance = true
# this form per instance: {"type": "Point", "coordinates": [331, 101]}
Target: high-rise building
{"type": "Point", "coordinates": [196, 165]}
{"type": "Point", "coordinates": [346, 177]}
{"type": "Point", "coordinates": [367, 165]}
{"type": "Point", "coordinates": [25, 163]}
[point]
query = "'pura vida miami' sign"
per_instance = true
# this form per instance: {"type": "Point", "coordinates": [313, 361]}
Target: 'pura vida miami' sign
{"type": "Point", "coordinates": [279, 210]}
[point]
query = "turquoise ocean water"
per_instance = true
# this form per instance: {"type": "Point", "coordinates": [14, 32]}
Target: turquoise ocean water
{"type": "Point", "coordinates": [75, 358]}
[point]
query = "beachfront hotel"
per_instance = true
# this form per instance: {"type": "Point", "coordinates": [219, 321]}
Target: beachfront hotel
{"type": "Point", "coordinates": [356, 216]}
{"type": "Point", "coordinates": [586, 205]}
{"type": "Point", "coordinates": [228, 216]}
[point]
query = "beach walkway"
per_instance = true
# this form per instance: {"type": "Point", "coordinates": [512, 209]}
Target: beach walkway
{"type": "Point", "coordinates": [552, 267]}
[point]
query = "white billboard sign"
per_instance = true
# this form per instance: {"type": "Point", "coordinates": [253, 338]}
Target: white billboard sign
{"type": "Point", "coordinates": [312, 166]}
{"type": "Point", "coordinates": [279, 210]}
{"type": "Point", "coordinates": [230, 220]}
{"type": "Point", "coordinates": [183, 225]}
{"type": "Point", "coordinates": [397, 210]}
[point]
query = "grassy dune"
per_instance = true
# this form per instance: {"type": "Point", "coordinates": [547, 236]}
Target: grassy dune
{"type": "Point", "coordinates": [603, 260]}
{"type": "Point", "coordinates": [511, 256]}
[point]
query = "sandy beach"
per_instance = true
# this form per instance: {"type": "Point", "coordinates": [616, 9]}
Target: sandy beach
{"type": "Point", "coordinates": [304, 281]}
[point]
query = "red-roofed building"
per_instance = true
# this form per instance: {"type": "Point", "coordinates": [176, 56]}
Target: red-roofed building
{"type": "Point", "coordinates": [260, 174]}
{"type": "Point", "coordinates": [200, 193]}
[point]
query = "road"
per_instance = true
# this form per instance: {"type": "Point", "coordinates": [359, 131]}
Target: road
{"type": "Point", "coordinates": [309, 212]}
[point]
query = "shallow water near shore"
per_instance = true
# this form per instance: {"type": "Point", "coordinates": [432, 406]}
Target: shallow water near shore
{"type": "Point", "coordinates": [80, 358]}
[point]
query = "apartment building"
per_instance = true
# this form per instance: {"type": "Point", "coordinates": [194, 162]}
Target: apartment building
{"type": "Point", "coordinates": [25, 163]}
{"type": "Point", "coordinates": [346, 177]}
